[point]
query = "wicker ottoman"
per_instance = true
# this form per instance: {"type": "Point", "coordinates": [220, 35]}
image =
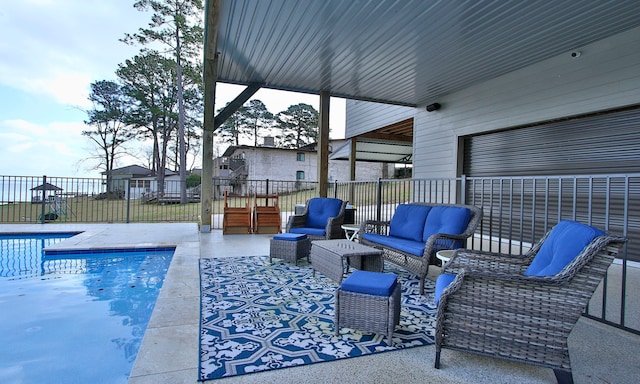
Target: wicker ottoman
{"type": "Point", "coordinates": [369, 301]}
{"type": "Point", "coordinates": [289, 247]}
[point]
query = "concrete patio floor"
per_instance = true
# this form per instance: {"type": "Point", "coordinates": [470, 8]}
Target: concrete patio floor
{"type": "Point", "coordinates": [169, 351]}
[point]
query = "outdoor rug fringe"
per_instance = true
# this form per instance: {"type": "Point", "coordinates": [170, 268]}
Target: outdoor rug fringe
{"type": "Point", "coordinates": [258, 316]}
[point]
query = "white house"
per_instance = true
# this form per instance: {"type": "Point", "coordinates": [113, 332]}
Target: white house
{"type": "Point", "coordinates": [246, 162]}
{"type": "Point", "coordinates": [135, 181]}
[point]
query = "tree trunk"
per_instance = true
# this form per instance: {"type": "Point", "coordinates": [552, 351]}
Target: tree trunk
{"type": "Point", "coordinates": [181, 149]}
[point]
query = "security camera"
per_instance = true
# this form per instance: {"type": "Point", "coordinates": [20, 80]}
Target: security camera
{"type": "Point", "coordinates": [575, 54]}
{"type": "Point", "coordinates": [433, 107]}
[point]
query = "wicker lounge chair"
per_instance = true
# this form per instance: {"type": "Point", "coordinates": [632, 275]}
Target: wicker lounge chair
{"type": "Point", "coordinates": [321, 220]}
{"type": "Point", "coordinates": [497, 305]}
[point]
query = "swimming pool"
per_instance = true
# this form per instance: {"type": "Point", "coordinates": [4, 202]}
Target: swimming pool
{"type": "Point", "coordinates": [74, 317]}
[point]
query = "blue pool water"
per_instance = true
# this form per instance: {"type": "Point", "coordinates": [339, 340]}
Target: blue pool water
{"type": "Point", "coordinates": [74, 317]}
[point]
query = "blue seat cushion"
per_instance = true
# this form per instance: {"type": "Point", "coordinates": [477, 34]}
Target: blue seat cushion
{"type": "Point", "coordinates": [371, 283]}
{"type": "Point", "coordinates": [566, 240]}
{"type": "Point", "coordinates": [290, 236]}
{"type": "Point", "coordinates": [404, 245]}
{"type": "Point", "coordinates": [320, 210]}
{"type": "Point", "coordinates": [443, 282]}
{"type": "Point", "coordinates": [309, 231]}
{"type": "Point", "coordinates": [448, 220]}
{"type": "Point", "coordinates": [408, 221]}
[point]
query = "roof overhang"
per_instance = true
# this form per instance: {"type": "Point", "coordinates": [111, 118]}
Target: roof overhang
{"type": "Point", "coordinates": [408, 52]}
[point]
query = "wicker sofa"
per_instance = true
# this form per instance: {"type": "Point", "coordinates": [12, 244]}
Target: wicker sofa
{"type": "Point", "coordinates": [321, 219]}
{"type": "Point", "coordinates": [522, 308]}
{"type": "Point", "coordinates": [418, 230]}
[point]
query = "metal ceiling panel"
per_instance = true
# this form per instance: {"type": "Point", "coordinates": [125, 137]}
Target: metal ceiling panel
{"type": "Point", "coordinates": [407, 52]}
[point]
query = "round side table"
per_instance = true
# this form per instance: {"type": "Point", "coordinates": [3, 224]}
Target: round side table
{"type": "Point", "coordinates": [351, 231]}
{"type": "Point", "coordinates": [445, 255]}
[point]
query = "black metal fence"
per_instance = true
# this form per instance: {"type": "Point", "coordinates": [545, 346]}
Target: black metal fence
{"type": "Point", "coordinates": [517, 212]}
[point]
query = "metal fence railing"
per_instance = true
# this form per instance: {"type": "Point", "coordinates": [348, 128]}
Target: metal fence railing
{"type": "Point", "coordinates": [517, 211]}
{"type": "Point", "coordinates": [25, 199]}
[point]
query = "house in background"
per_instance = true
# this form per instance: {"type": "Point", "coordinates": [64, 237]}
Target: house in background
{"type": "Point", "coordinates": [241, 163]}
{"type": "Point", "coordinates": [135, 182]}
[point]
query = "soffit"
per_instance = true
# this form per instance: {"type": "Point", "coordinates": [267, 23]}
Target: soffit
{"type": "Point", "coordinates": [376, 151]}
{"type": "Point", "coordinates": [408, 52]}
{"type": "Point", "coordinates": [390, 144]}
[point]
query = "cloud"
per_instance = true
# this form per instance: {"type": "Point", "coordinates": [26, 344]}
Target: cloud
{"type": "Point", "coordinates": [50, 53]}
{"type": "Point", "coordinates": [57, 48]}
{"type": "Point", "coordinates": [32, 149]}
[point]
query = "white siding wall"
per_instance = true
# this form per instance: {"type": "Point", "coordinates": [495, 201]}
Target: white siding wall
{"type": "Point", "coordinates": [606, 75]}
{"type": "Point", "coordinates": [277, 164]}
{"type": "Point", "coordinates": [363, 116]}
{"type": "Point", "coordinates": [365, 171]}
{"type": "Point", "coordinates": [280, 164]}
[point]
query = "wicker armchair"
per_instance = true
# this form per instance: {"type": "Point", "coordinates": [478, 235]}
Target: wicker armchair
{"type": "Point", "coordinates": [493, 308]}
{"type": "Point", "coordinates": [322, 219]}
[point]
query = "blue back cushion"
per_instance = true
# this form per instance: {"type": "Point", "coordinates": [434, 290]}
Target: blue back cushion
{"type": "Point", "coordinates": [321, 209]}
{"type": "Point", "coordinates": [408, 221]}
{"type": "Point", "coordinates": [566, 240]}
{"type": "Point", "coordinates": [449, 220]}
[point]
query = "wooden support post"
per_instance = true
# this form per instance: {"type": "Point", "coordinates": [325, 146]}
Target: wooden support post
{"type": "Point", "coordinates": [323, 145]}
{"type": "Point", "coordinates": [212, 13]}
{"type": "Point", "coordinates": [352, 168]}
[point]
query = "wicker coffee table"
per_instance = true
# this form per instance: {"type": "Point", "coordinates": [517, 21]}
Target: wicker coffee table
{"type": "Point", "coordinates": [333, 257]}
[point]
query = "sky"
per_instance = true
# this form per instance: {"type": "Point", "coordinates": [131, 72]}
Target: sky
{"type": "Point", "coordinates": [50, 53]}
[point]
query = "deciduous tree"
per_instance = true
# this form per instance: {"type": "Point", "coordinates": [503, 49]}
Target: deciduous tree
{"type": "Point", "coordinates": [107, 117]}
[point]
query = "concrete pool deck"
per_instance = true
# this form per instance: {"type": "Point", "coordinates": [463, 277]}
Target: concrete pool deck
{"type": "Point", "coordinates": [169, 351]}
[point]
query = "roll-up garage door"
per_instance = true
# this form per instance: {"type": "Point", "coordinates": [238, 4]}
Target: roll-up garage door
{"type": "Point", "coordinates": [596, 144]}
{"type": "Point", "coordinates": [606, 143]}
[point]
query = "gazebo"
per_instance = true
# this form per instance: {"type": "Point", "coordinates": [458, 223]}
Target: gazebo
{"type": "Point", "coordinates": [47, 191]}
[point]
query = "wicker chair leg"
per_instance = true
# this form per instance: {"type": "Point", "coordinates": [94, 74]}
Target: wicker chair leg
{"type": "Point", "coordinates": [437, 364]}
{"type": "Point", "coordinates": [563, 377]}
{"type": "Point", "coordinates": [336, 321]}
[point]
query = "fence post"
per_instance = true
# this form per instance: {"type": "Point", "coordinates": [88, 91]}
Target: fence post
{"type": "Point", "coordinates": [335, 189]}
{"type": "Point", "coordinates": [462, 194]}
{"type": "Point", "coordinates": [44, 191]}
{"type": "Point", "coordinates": [379, 200]}
{"type": "Point", "coordinates": [128, 199]}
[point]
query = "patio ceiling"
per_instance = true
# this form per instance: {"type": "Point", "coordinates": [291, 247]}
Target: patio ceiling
{"type": "Point", "coordinates": [389, 144]}
{"type": "Point", "coordinates": [409, 52]}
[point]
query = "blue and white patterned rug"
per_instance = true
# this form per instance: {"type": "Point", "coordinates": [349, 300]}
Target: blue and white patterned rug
{"type": "Point", "coordinates": [258, 316]}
